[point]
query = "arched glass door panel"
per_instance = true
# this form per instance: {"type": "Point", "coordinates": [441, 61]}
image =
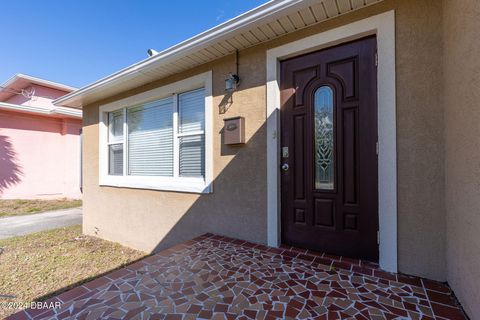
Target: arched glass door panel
{"type": "Point", "coordinates": [324, 144]}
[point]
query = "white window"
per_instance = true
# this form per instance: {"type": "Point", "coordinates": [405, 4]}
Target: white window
{"type": "Point", "coordinates": [150, 139]}
{"type": "Point", "coordinates": [160, 139]}
{"type": "Point", "coordinates": [115, 143]}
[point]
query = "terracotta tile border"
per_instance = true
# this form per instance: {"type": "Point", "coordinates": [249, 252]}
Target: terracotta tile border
{"type": "Point", "coordinates": [448, 312]}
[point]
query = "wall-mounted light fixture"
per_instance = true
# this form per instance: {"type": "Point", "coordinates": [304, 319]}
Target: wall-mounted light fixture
{"type": "Point", "coordinates": [231, 82]}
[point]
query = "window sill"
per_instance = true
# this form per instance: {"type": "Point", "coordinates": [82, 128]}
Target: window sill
{"type": "Point", "coordinates": [188, 185]}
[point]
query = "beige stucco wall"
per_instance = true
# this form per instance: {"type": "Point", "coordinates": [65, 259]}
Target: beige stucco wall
{"type": "Point", "coordinates": [462, 118]}
{"type": "Point", "coordinates": [421, 210]}
{"type": "Point", "coordinates": [152, 219]}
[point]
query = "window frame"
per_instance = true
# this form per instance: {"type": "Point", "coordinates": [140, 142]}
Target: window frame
{"type": "Point", "coordinates": [175, 183]}
{"type": "Point", "coordinates": [115, 141]}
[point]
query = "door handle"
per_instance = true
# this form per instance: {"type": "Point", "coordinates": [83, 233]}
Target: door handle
{"type": "Point", "coordinates": [285, 167]}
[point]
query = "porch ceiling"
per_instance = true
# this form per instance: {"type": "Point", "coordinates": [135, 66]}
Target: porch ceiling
{"type": "Point", "coordinates": [264, 23]}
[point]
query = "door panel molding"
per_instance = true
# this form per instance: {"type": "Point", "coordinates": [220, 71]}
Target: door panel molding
{"type": "Point", "coordinates": [383, 26]}
{"type": "Point", "coordinates": [339, 159]}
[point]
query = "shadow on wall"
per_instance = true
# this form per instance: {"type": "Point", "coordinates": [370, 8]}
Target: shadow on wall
{"type": "Point", "coordinates": [238, 212]}
{"type": "Point", "coordinates": [237, 207]}
{"type": "Point", "coordinates": [10, 170]}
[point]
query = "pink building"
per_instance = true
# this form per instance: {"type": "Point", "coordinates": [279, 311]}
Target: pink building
{"type": "Point", "coordinates": [39, 142]}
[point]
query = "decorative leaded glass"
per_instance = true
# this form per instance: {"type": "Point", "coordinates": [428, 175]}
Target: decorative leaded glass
{"type": "Point", "coordinates": [324, 128]}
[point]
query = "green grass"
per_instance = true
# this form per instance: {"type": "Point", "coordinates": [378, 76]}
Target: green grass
{"type": "Point", "coordinates": [21, 207]}
{"type": "Point", "coordinates": [40, 264]}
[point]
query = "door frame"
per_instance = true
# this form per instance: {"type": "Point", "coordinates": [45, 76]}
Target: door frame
{"type": "Point", "coordinates": [383, 26]}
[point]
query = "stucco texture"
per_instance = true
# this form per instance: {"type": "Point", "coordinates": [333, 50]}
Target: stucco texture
{"type": "Point", "coordinates": [39, 157]}
{"type": "Point", "coordinates": [150, 220]}
{"type": "Point", "coordinates": [462, 119]}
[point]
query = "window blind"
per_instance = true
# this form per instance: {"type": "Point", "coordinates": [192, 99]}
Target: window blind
{"type": "Point", "coordinates": [115, 159]}
{"type": "Point", "coordinates": [192, 156]}
{"type": "Point", "coordinates": [191, 117]}
{"type": "Point", "coordinates": [150, 139]}
{"type": "Point", "coordinates": [191, 111]}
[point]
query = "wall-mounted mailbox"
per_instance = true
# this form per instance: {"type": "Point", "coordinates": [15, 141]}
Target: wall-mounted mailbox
{"type": "Point", "coordinates": [234, 130]}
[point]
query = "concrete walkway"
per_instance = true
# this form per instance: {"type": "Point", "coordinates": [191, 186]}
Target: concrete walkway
{"type": "Point", "coordinates": [21, 225]}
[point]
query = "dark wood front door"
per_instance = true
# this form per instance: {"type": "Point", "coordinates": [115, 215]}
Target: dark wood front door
{"type": "Point", "coordinates": [329, 150]}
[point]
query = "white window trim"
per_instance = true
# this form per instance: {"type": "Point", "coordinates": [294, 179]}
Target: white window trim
{"type": "Point", "coordinates": [383, 26]}
{"type": "Point", "coordinates": [182, 184]}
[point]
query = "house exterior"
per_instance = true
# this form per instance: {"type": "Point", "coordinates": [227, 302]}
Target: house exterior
{"type": "Point", "coordinates": [359, 120]}
{"type": "Point", "coordinates": [39, 142]}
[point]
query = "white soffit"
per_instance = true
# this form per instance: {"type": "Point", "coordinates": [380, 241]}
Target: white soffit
{"type": "Point", "coordinates": [264, 23]}
{"type": "Point", "coordinates": [58, 112]}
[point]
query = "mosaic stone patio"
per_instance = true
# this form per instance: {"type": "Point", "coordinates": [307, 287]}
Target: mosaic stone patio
{"type": "Point", "coordinates": [214, 277]}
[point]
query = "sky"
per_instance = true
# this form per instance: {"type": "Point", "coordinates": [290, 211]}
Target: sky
{"type": "Point", "coordinates": [77, 42]}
